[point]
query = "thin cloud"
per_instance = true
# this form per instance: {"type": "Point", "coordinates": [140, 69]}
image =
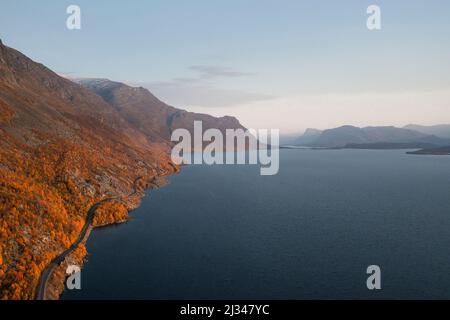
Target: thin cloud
{"type": "Point", "coordinates": [202, 91]}
{"type": "Point", "coordinates": [211, 72]}
{"type": "Point", "coordinates": [187, 93]}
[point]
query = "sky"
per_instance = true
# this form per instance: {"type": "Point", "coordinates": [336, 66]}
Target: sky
{"type": "Point", "coordinates": [273, 64]}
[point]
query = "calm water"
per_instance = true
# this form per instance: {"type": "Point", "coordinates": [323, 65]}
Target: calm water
{"type": "Point", "coordinates": [308, 232]}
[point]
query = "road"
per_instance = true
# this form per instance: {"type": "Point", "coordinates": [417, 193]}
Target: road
{"type": "Point", "coordinates": [45, 275]}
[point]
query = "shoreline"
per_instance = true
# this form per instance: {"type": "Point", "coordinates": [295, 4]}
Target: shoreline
{"type": "Point", "coordinates": [48, 273]}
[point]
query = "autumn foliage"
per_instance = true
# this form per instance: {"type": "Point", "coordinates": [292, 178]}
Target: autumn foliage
{"type": "Point", "coordinates": [109, 213]}
{"type": "Point", "coordinates": [45, 195]}
{"type": "Point", "coordinates": [56, 281]}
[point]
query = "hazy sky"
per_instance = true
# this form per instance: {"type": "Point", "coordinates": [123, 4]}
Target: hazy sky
{"type": "Point", "coordinates": [273, 64]}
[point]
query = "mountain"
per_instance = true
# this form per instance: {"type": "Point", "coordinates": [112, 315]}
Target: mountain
{"type": "Point", "coordinates": [153, 117]}
{"type": "Point", "coordinates": [340, 137]}
{"type": "Point", "coordinates": [441, 130]}
{"type": "Point", "coordinates": [355, 137]}
{"type": "Point", "coordinates": [309, 137]}
{"type": "Point", "coordinates": [64, 149]}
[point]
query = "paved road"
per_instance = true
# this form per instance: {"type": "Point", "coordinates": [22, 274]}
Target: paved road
{"type": "Point", "coordinates": [40, 294]}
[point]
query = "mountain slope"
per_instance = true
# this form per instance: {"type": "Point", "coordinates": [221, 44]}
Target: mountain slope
{"type": "Point", "coordinates": [309, 137]}
{"type": "Point", "coordinates": [153, 117]}
{"type": "Point", "coordinates": [64, 147]}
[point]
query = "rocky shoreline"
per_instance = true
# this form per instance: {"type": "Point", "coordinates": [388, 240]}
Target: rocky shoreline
{"type": "Point", "coordinates": [56, 281]}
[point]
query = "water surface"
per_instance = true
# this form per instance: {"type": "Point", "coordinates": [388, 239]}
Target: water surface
{"type": "Point", "coordinates": [307, 233]}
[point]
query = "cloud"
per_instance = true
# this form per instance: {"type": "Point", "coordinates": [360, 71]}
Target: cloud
{"type": "Point", "coordinates": [187, 92]}
{"type": "Point", "coordinates": [211, 72]}
{"type": "Point", "coordinates": [203, 91]}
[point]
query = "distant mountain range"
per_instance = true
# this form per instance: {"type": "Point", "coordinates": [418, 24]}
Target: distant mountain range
{"type": "Point", "coordinates": [386, 137]}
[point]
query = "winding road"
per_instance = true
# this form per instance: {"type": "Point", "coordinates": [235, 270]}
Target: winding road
{"type": "Point", "coordinates": [45, 275]}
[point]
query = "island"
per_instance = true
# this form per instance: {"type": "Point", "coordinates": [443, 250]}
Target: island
{"type": "Point", "coordinates": [441, 151]}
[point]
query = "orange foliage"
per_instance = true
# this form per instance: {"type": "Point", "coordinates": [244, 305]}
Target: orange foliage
{"type": "Point", "coordinates": [55, 284]}
{"type": "Point", "coordinates": [45, 194]}
{"type": "Point", "coordinates": [109, 213]}
{"type": "Point", "coordinates": [6, 113]}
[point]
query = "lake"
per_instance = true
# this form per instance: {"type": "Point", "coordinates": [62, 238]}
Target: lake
{"type": "Point", "coordinates": [310, 232]}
